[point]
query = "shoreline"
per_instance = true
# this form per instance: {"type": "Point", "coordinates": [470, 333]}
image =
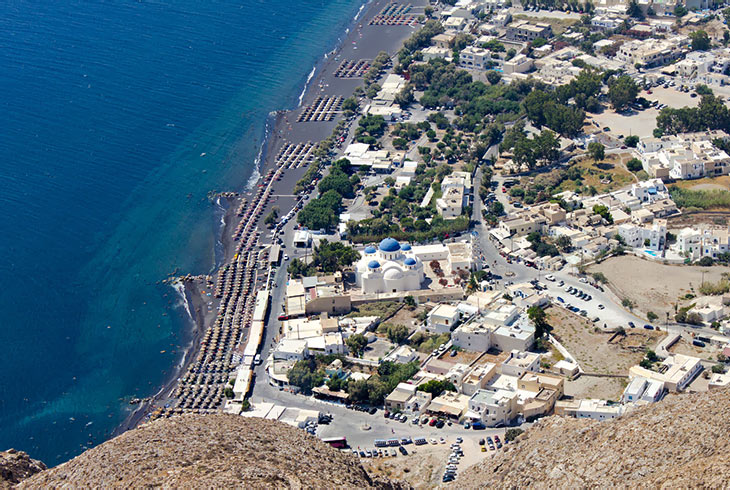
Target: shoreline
{"type": "Point", "coordinates": [280, 127]}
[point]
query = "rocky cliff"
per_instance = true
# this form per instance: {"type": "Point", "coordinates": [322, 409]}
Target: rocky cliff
{"type": "Point", "coordinates": [680, 442]}
{"type": "Point", "coordinates": [16, 466]}
{"type": "Point", "coordinates": [212, 451]}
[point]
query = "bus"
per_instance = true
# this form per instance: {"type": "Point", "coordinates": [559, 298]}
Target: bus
{"type": "Point", "coordinates": [380, 443]}
{"type": "Point", "coordinates": [336, 442]}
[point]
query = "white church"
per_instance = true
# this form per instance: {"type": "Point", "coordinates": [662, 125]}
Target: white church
{"type": "Point", "coordinates": [391, 268]}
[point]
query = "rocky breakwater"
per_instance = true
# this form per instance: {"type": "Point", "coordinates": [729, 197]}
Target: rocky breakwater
{"type": "Point", "coordinates": [679, 442]}
{"type": "Point", "coordinates": [211, 451]}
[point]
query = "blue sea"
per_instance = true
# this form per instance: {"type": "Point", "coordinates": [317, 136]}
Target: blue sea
{"type": "Point", "coordinates": [117, 118]}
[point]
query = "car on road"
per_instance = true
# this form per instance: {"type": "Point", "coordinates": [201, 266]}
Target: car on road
{"type": "Point", "coordinates": [403, 451]}
{"type": "Point", "coordinates": [550, 277]}
{"type": "Point", "coordinates": [433, 441]}
{"type": "Point", "coordinates": [600, 307]}
{"type": "Point", "coordinates": [648, 327]}
{"type": "Point", "coordinates": [561, 299]}
{"type": "Point", "coordinates": [442, 440]}
{"type": "Point", "coordinates": [282, 318]}
{"type": "Point", "coordinates": [631, 324]}
{"type": "Point", "coordinates": [459, 440]}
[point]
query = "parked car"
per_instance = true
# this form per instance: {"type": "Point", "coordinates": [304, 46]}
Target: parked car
{"type": "Point", "coordinates": [648, 327]}
{"type": "Point", "coordinates": [631, 324]}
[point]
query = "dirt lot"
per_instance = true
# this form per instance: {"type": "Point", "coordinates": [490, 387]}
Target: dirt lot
{"type": "Point", "coordinates": [653, 286]}
{"type": "Point", "coordinates": [424, 466]}
{"type": "Point", "coordinates": [722, 183]}
{"type": "Point", "coordinates": [596, 355]}
{"type": "Point", "coordinates": [717, 218]}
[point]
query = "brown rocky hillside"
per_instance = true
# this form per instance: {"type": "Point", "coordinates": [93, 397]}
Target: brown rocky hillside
{"type": "Point", "coordinates": [16, 466]}
{"type": "Point", "coordinates": [681, 442]}
{"type": "Point", "coordinates": [212, 451]}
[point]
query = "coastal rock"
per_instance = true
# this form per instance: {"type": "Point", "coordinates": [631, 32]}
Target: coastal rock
{"type": "Point", "coordinates": [679, 442]}
{"type": "Point", "coordinates": [211, 451]}
{"type": "Point", "coordinates": [16, 466]}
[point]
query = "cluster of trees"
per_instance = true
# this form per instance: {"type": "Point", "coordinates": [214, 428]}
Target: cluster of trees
{"type": "Point", "coordinates": [700, 40]}
{"type": "Point", "coordinates": [356, 343]}
{"type": "Point", "coordinates": [622, 91]}
{"type": "Point", "coordinates": [370, 129]}
{"type": "Point", "coordinates": [321, 213]}
{"type": "Point", "coordinates": [271, 218]}
{"type": "Point", "coordinates": [328, 257]}
{"type": "Point", "coordinates": [338, 180]}
{"type": "Point", "coordinates": [596, 151]}
{"type": "Point", "coordinates": [710, 114]}
{"type": "Point", "coordinates": [420, 39]}
{"type": "Point", "coordinates": [566, 5]}
{"type": "Point", "coordinates": [423, 342]}
{"type": "Point", "coordinates": [397, 333]}
{"type": "Point", "coordinates": [634, 165]}
{"type": "Point", "coordinates": [378, 386]}
{"type": "Point", "coordinates": [436, 387]}
{"type": "Point", "coordinates": [381, 61]}
{"type": "Point", "coordinates": [404, 132]}
{"type": "Point", "coordinates": [541, 149]}
{"type": "Point", "coordinates": [541, 248]}
{"type": "Point", "coordinates": [543, 109]}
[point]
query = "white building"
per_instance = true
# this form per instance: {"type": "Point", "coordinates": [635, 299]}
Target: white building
{"type": "Point", "coordinates": [481, 335]}
{"type": "Point", "coordinates": [518, 363]}
{"type": "Point", "coordinates": [643, 389]}
{"type": "Point", "coordinates": [652, 237]}
{"type": "Point", "coordinates": [442, 319]}
{"type": "Point", "coordinates": [493, 408]}
{"type": "Point", "coordinates": [652, 52]}
{"type": "Point", "coordinates": [391, 267]}
{"type": "Point", "coordinates": [454, 194]}
{"type": "Point", "coordinates": [696, 243]}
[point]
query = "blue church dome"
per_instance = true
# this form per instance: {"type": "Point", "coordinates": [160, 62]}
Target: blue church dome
{"type": "Point", "coordinates": [374, 264]}
{"type": "Point", "coordinates": [410, 261]}
{"type": "Point", "coordinates": [405, 247]}
{"type": "Point", "coordinates": [389, 245]}
{"type": "Point", "coordinates": [369, 249]}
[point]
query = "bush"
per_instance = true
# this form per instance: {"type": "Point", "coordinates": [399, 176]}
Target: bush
{"type": "Point", "coordinates": [512, 434]}
{"type": "Point", "coordinates": [634, 165]}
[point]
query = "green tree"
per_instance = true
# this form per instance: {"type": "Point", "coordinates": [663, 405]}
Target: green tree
{"type": "Point", "coordinates": [512, 434]}
{"type": "Point", "coordinates": [718, 369]}
{"type": "Point", "coordinates": [597, 151]}
{"type": "Point", "coordinates": [563, 243]}
{"type": "Point", "coordinates": [600, 277]}
{"type": "Point", "coordinates": [349, 105]}
{"type": "Point", "coordinates": [493, 77]}
{"type": "Point", "coordinates": [632, 141]}
{"type": "Point", "coordinates": [651, 316]}
{"type": "Point", "coordinates": [272, 216]}
{"type": "Point", "coordinates": [334, 256]}
{"type": "Point", "coordinates": [356, 343]}
{"type": "Point", "coordinates": [397, 333]}
{"type": "Point", "coordinates": [634, 165]}
{"type": "Point", "coordinates": [622, 91]}
{"type": "Point", "coordinates": [627, 303]}
{"type": "Point", "coordinates": [633, 9]}
{"type": "Point", "coordinates": [436, 387]}
{"type": "Point", "coordinates": [700, 40]}
{"type": "Point", "coordinates": [603, 211]}
{"type": "Point", "coordinates": [538, 316]}
{"type": "Point", "coordinates": [409, 301]}
{"type": "Point", "coordinates": [680, 11]}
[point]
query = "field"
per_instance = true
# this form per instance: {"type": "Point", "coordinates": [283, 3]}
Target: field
{"type": "Point", "coordinates": [653, 286]}
{"type": "Point", "coordinates": [607, 175]}
{"type": "Point", "coordinates": [595, 354]}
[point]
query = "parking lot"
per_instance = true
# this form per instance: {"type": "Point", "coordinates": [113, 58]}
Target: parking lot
{"type": "Point", "coordinates": [642, 123]}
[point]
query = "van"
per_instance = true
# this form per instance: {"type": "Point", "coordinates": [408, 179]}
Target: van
{"type": "Point", "coordinates": [698, 343]}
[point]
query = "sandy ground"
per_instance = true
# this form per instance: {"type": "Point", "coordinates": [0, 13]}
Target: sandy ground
{"type": "Point", "coordinates": [722, 182]}
{"type": "Point", "coordinates": [653, 286]}
{"type": "Point", "coordinates": [424, 466]}
{"type": "Point", "coordinates": [642, 123]}
{"type": "Point", "coordinates": [595, 354]}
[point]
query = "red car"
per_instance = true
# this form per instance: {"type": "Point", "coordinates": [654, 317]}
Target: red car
{"type": "Point", "coordinates": [432, 422]}
{"type": "Point", "coordinates": [283, 317]}
{"type": "Point", "coordinates": [504, 189]}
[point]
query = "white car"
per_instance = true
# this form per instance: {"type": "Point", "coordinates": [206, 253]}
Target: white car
{"type": "Point", "coordinates": [550, 278]}
{"type": "Point", "coordinates": [433, 441]}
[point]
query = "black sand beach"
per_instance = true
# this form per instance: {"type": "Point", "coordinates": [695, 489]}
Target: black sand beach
{"type": "Point", "coordinates": [363, 41]}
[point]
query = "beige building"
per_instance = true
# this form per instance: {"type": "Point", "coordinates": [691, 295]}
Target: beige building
{"type": "Point", "coordinates": [523, 30]}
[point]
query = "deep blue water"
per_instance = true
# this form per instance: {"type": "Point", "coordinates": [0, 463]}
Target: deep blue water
{"type": "Point", "coordinates": [117, 118]}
